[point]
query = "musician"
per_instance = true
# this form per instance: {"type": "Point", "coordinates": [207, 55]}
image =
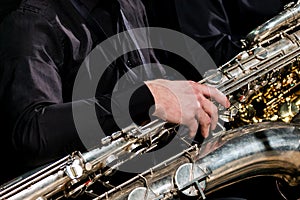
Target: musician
{"type": "Point", "coordinates": [42, 46]}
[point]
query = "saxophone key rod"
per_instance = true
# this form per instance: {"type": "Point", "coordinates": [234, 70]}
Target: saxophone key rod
{"type": "Point", "coordinates": [290, 16]}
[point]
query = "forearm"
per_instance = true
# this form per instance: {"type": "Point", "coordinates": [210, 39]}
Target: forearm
{"type": "Point", "coordinates": [46, 131]}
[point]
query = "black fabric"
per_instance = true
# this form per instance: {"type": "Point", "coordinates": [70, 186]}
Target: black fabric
{"type": "Point", "coordinates": [218, 25]}
{"type": "Point", "coordinates": [42, 45]}
{"type": "Point", "coordinates": [7, 6]}
{"type": "Point", "coordinates": [86, 15]}
{"type": "Point", "coordinates": [136, 104]}
{"type": "Point", "coordinates": [163, 14]}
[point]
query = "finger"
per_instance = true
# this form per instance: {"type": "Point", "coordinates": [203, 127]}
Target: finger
{"type": "Point", "coordinates": [204, 121]}
{"type": "Point", "coordinates": [211, 110]}
{"type": "Point", "coordinates": [205, 130]}
{"type": "Point", "coordinates": [193, 127]}
{"type": "Point", "coordinates": [214, 93]}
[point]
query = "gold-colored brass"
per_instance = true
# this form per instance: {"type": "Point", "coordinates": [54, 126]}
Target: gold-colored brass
{"type": "Point", "coordinates": [278, 100]}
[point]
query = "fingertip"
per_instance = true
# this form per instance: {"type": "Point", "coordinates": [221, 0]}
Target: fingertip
{"type": "Point", "coordinates": [213, 126]}
{"type": "Point", "coordinates": [205, 132]}
{"type": "Point", "coordinates": [193, 127]}
{"type": "Point", "coordinates": [192, 134]}
{"type": "Point", "coordinates": [227, 103]}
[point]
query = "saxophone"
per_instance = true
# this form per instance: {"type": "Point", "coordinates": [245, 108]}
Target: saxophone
{"type": "Point", "coordinates": [260, 135]}
{"type": "Point", "coordinates": [262, 84]}
{"type": "Point", "coordinates": [72, 175]}
{"type": "Point", "coordinates": [263, 149]}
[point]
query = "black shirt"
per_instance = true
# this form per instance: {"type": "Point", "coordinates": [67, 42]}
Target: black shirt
{"type": "Point", "coordinates": [42, 45]}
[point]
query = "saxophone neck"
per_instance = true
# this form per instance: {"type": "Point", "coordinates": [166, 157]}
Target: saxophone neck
{"type": "Point", "coordinates": [289, 17]}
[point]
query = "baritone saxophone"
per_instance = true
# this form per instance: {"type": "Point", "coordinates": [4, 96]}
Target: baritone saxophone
{"type": "Point", "coordinates": [260, 135]}
{"type": "Point", "coordinates": [263, 149]}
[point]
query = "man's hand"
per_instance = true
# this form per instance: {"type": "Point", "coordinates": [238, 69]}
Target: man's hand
{"type": "Point", "coordinates": [187, 103]}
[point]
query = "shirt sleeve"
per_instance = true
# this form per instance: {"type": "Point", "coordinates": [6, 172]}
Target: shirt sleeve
{"type": "Point", "coordinates": [38, 125]}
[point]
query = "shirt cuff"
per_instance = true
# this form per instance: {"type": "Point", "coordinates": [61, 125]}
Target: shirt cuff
{"type": "Point", "coordinates": [141, 105]}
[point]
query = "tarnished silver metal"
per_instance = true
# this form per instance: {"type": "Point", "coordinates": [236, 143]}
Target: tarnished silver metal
{"type": "Point", "coordinates": [262, 84]}
{"type": "Point", "coordinates": [263, 81]}
{"type": "Point", "coordinates": [76, 172]}
{"type": "Point", "coordinates": [264, 149]}
{"type": "Point", "coordinates": [287, 19]}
